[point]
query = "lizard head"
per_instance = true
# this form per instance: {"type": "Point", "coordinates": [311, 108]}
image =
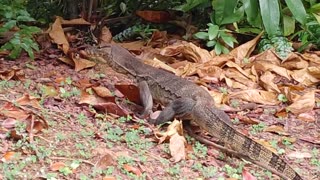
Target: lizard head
{"type": "Point", "coordinates": [100, 55]}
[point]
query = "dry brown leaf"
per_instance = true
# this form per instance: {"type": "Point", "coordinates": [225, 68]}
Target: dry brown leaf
{"type": "Point", "coordinates": [56, 166]}
{"type": "Point", "coordinates": [133, 46]}
{"type": "Point", "coordinates": [13, 73]}
{"type": "Point", "coordinates": [132, 169]}
{"type": "Point", "coordinates": [130, 91]}
{"type": "Point", "coordinates": [107, 177]}
{"type": "Point", "coordinates": [233, 73]}
{"type": "Point", "coordinates": [10, 110]}
{"type": "Point", "coordinates": [263, 66]}
{"type": "Point", "coordinates": [159, 64]}
{"type": "Point", "coordinates": [177, 147]}
{"type": "Point", "coordinates": [267, 82]}
{"type": "Point", "coordinates": [9, 123]}
{"type": "Point", "coordinates": [304, 77]}
{"type": "Point", "coordinates": [188, 69]}
{"type": "Point", "coordinates": [235, 84]}
{"type": "Point", "coordinates": [105, 37]}
{"type": "Point", "coordinates": [247, 175]}
{"type": "Point", "coordinates": [257, 96]}
{"type": "Point", "coordinates": [174, 128]}
{"type": "Point", "coordinates": [276, 129]}
{"type": "Point", "coordinates": [80, 63]}
{"type": "Point", "coordinates": [307, 117]}
{"type": "Point", "coordinates": [32, 101]}
{"type": "Point", "coordinates": [244, 50]}
{"type": "Point", "coordinates": [268, 56]}
{"type": "Point", "coordinates": [209, 71]}
{"type": "Point", "coordinates": [57, 35]}
{"type": "Point", "coordinates": [293, 61]}
{"type": "Point", "coordinates": [102, 91]}
{"type": "Point", "coordinates": [190, 51]}
{"type": "Point", "coordinates": [105, 161]}
{"type": "Point", "coordinates": [8, 156]}
{"type": "Point", "coordinates": [304, 104]}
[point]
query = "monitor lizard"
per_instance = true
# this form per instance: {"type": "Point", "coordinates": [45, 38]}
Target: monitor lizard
{"type": "Point", "coordinates": [186, 100]}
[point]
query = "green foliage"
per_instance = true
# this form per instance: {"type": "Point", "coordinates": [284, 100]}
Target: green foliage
{"type": "Point", "coordinates": [134, 32]}
{"type": "Point", "coordinates": [15, 17]}
{"type": "Point", "coordinates": [281, 44]}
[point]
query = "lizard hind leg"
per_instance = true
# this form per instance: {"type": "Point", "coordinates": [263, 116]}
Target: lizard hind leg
{"type": "Point", "coordinates": [180, 108]}
{"type": "Point", "coordinates": [145, 97]}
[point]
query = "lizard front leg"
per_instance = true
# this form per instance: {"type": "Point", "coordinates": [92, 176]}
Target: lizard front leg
{"type": "Point", "coordinates": [180, 108]}
{"type": "Point", "coordinates": [145, 97]}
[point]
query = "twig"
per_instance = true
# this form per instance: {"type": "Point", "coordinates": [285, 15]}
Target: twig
{"type": "Point", "coordinates": [71, 159]}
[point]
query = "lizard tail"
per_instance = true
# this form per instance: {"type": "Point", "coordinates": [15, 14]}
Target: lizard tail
{"type": "Point", "coordinates": [241, 143]}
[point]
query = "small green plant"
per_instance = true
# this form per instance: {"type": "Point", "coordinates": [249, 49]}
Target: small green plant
{"type": "Point", "coordinates": [282, 98]}
{"type": "Point", "coordinates": [206, 171]}
{"type": "Point", "coordinates": [174, 170]}
{"type": "Point", "coordinates": [223, 90]}
{"type": "Point", "coordinates": [217, 37]}
{"type": "Point", "coordinates": [200, 150]}
{"type": "Point", "coordinates": [232, 172]}
{"type": "Point", "coordinates": [14, 17]}
{"type": "Point", "coordinates": [258, 128]}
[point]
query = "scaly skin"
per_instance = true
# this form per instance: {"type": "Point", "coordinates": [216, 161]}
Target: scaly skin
{"type": "Point", "coordinates": [187, 100]}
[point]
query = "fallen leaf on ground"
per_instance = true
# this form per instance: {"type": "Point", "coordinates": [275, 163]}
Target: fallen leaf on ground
{"type": "Point", "coordinates": [132, 169]}
{"type": "Point", "coordinates": [57, 35]}
{"type": "Point", "coordinates": [304, 104]}
{"type": "Point", "coordinates": [299, 155]}
{"type": "Point", "coordinates": [56, 166]}
{"type": "Point", "coordinates": [32, 101]}
{"type": "Point", "coordinates": [177, 147]}
{"type": "Point", "coordinates": [257, 96]}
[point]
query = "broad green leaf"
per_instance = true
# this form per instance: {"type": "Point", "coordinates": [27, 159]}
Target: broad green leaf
{"type": "Point", "coordinates": [288, 25]}
{"type": "Point", "coordinates": [7, 46]}
{"type": "Point", "coordinates": [270, 15]}
{"type": "Point", "coordinates": [218, 48]}
{"type": "Point", "coordinates": [28, 49]}
{"type": "Point", "coordinates": [225, 50]}
{"type": "Point", "coordinates": [211, 43]}
{"type": "Point", "coordinates": [317, 17]}
{"type": "Point", "coordinates": [298, 10]}
{"type": "Point", "coordinates": [234, 17]}
{"type": "Point", "coordinates": [25, 18]}
{"type": "Point", "coordinates": [10, 24]}
{"type": "Point", "coordinates": [201, 35]}
{"type": "Point", "coordinates": [15, 52]}
{"type": "Point", "coordinates": [224, 9]}
{"type": "Point", "coordinates": [229, 40]}
{"type": "Point", "coordinates": [213, 32]}
{"type": "Point", "coordinates": [251, 7]}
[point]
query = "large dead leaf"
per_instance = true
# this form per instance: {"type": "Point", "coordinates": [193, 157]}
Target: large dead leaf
{"type": "Point", "coordinates": [78, 21]}
{"type": "Point", "coordinates": [244, 50]}
{"type": "Point", "coordinates": [304, 76]}
{"type": "Point", "coordinates": [177, 147]}
{"type": "Point", "coordinates": [32, 101]}
{"type": "Point", "coordinates": [130, 91]}
{"type": "Point", "coordinates": [293, 61]}
{"type": "Point", "coordinates": [14, 73]}
{"type": "Point", "coordinates": [10, 110]}
{"type": "Point", "coordinates": [263, 66]}
{"type": "Point", "coordinates": [304, 104]}
{"type": "Point", "coordinates": [267, 82]}
{"type": "Point", "coordinates": [57, 35]}
{"type": "Point", "coordinates": [233, 73]}
{"type": "Point", "coordinates": [269, 56]}
{"type": "Point", "coordinates": [155, 16]}
{"type": "Point", "coordinates": [234, 84]}
{"type": "Point", "coordinates": [80, 63]}
{"type": "Point", "coordinates": [257, 96]}
{"type": "Point", "coordinates": [190, 51]}
{"type": "Point", "coordinates": [159, 64]}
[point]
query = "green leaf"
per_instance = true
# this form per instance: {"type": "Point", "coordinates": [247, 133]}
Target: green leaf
{"type": "Point", "coordinates": [225, 13]}
{"type": "Point", "coordinates": [251, 7]}
{"type": "Point", "coordinates": [213, 32]}
{"type": "Point", "coordinates": [298, 10]}
{"type": "Point", "coordinates": [28, 49]}
{"type": "Point", "coordinates": [211, 43]}
{"type": "Point", "coordinates": [229, 40]}
{"type": "Point", "coordinates": [218, 48]}
{"type": "Point", "coordinates": [15, 52]}
{"type": "Point", "coordinates": [270, 15]}
{"type": "Point", "coordinates": [190, 4]}
{"type": "Point", "coordinates": [10, 24]}
{"type": "Point", "coordinates": [288, 25]}
{"type": "Point", "coordinates": [25, 19]}
{"type": "Point", "coordinates": [201, 35]}
{"type": "Point", "coordinates": [225, 50]}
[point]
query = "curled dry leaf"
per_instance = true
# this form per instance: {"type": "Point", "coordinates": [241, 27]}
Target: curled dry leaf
{"type": "Point", "coordinates": [269, 56]}
{"type": "Point", "coordinates": [102, 91]}
{"type": "Point", "coordinates": [8, 156]}
{"type": "Point", "coordinates": [235, 84]}
{"type": "Point", "coordinates": [32, 101]}
{"type": "Point", "coordinates": [159, 64]}
{"type": "Point", "coordinates": [105, 161]}
{"type": "Point", "coordinates": [308, 116]}
{"type": "Point", "coordinates": [190, 51]}
{"type": "Point", "coordinates": [108, 178]}
{"type": "Point", "coordinates": [105, 37]}
{"type": "Point", "coordinates": [267, 82]}
{"type": "Point", "coordinates": [233, 73]}
{"type": "Point", "coordinates": [263, 66]}
{"type": "Point", "coordinates": [14, 73]}
{"type": "Point", "coordinates": [80, 63]}
{"type": "Point", "coordinates": [305, 77]}
{"type": "Point", "coordinates": [57, 35]}
{"type": "Point", "coordinates": [244, 50]}
{"type": "Point", "coordinates": [304, 104]}
{"type": "Point", "coordinates": [276, 129]}
{"type": "Point", "coordinates": [299, 155]}
{"type": "Point", "coordinates": [130, 91]}
{"type": "Point", "coordinates": [174, 128]}
{"type": "Point", "coordinates": [247, 175]}
{"type": "Point", "coordinates": [132, 169]}
{"type": "Point", "coordinates": [10, 110]}
{"type": "Point", "coordinates": [257, 96]}
{"type": "Point", "coordinates": [177, 147]}
{"type": "Point", "coordinates": [294, 61]}
{"type": "Point", "coordinates": [56, 166]}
